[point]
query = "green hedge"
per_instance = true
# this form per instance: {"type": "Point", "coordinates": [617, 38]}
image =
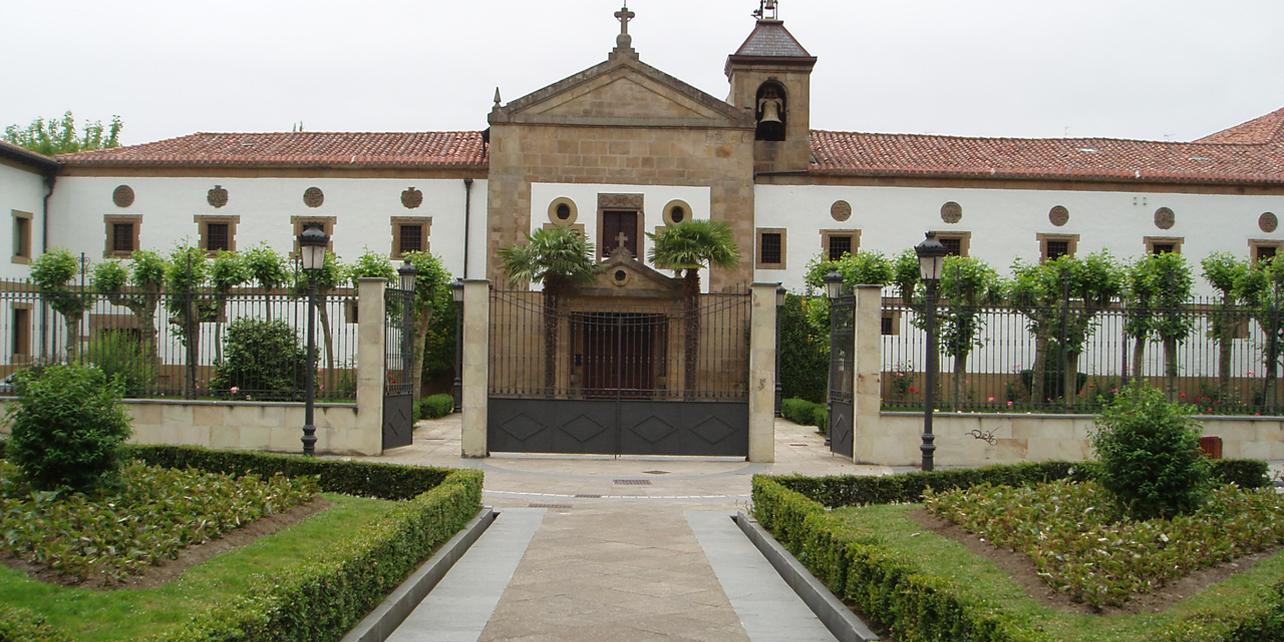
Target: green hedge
{"type": "Point", "coordinates": [868, 575]}
{"type": "Point", "coordinates": [385, 481]}
{"type": "Point", "coordinates": [805, 413]}
{"type": "Point", "coordinates": [22, 625]}
{"type": "Point", "coordinates": [434, 406]}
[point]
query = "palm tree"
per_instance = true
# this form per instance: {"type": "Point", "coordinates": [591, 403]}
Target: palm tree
{"type": "Point", "coordinates": [693, 246]}
{"type": "Point", "coordinates": [559, 258]}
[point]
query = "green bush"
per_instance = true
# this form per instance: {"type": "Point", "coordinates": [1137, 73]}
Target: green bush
{"type": "Point", "coordinates": [799, 411]}
{"type": "Point", "coordinates": [820, 418]}
{"type": "Point", "coordinates": [325, 598]}
{"type": "Point", "coordinates": [1245, 473]}
{"type": "Point", "coordinates": [68, 426]}
{"type": "Point", "coordinates": [118, 354]}
{"type": "Point", "coordinates": [804, 352]}
{"type": "Point", "coordinates": [262, 359]}
{"type": "Point", "coordinates": [854, 490]}
{"type": "Point", "coordinates": [434, 406]}
{"type": "Point", "coordinates": [1263, 620]}
{"type": "Point", "coordinates": [1149, 453]}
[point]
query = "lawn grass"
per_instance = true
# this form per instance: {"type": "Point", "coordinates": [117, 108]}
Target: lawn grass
{"type": "Point", "coordinates": [979, 578]}
{"type": "Point", "coordinates": [129, 614]}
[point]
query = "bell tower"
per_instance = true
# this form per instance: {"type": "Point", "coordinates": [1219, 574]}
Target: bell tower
{"type": "Point", "coordinates": [770, 76]}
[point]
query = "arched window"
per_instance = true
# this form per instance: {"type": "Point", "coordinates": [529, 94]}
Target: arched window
{"type": "Point", "coordinates": [771, 111]}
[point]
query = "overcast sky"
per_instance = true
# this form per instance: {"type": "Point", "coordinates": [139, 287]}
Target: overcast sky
{"type": "Point", "coordinates": [1155, 69]}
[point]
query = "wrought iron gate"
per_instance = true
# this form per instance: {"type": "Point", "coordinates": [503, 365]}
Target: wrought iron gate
{"type": "Point", "coordinates": [398, 363]}
{"type": "Point", "coordinates": [842, 321]}
{"type": "Point", "coordinates": [573, 375]}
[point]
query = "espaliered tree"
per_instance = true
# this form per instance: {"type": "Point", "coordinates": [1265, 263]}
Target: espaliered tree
{"type": "Point", "coordinates": [265, 267]}
{"type": "Point", "coordinates": [559, 258]}
{"type": "Point", "coordinates": [136, 288]}
{"type": "Point", "coordinates": [331, 275]}
{"type": "Point", "coordinates": [227, 271]}
{"type": "Point", "coordinates": [1139, 309]}
{"type": "Point", "coordinates": [1223, 270]}
{"type": "Point", "coordinates": [185, 280]}
{"type": "Point", "coordinates": [53, 273]}
{"type": "Point", "coordinates": [1172, 322]}
{"type": "Point", "coordinates": [1061, 299]}
{"type": "Point", "coordinates": [687, 248]}
{"type": "Point", "coordinates": [862, 268]}
{"type": "Point", "coordinates": [1261, 289]}
{"type": "Point", "coordinates": [60, 135]}
{"type": "Point", "coordinates": [431, 284]}
{"type": "Point", "coordinates": [967, 284]}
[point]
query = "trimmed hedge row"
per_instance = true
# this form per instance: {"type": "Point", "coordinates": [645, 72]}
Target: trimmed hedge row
{"type": "Point", "coordinates": [805, 413]}
{"type": "Point", "coordinates": [434, 406]}
{"type": "Point", "coordinates": [876, 580]}
{"type": "Point", "coordinates": [384, 481]}
{"type": "Point", "coordinates": [22, 625]}
{"type": "Point", "coordinates": [916, 604]}
{"type": "Point", "coordinates": [851, 490]}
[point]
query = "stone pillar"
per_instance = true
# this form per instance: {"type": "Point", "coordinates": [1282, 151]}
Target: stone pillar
{"type": "Point", "coordinates": [476, 379]}
{"type": "Point", "coordinates": [868, 382]}
{"type": "Point", "coordinates": [762, 373]}
{"type": "Point", "coordinates": [370, 367]}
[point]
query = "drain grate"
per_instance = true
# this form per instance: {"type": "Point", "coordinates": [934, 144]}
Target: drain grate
{"type": "Point", "coordinates": [632, 482]}
{"type": "Point", "coordinates": [655, 472]}
{"type": "Point", "coordinates": [553, 506]}
{"type": "Point", "coordinates": [803, 445]}
{"type": "Point", "coordinates": [588, 497]}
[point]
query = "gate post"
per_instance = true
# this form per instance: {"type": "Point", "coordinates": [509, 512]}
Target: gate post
{"type": "Point", "coordinates": [476, 375]}
{"type": "Point", "coordinates": [370, 370]}
{"type": "Point", "coordinates": [868, 382]}
{"type": "Point", "coordinates": [762, 372]}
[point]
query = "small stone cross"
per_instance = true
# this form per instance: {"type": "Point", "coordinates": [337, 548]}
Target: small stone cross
{"type": "Point", "coordinates": [624, 16]}
{"type": "Point", "coordinates": [621, 239]}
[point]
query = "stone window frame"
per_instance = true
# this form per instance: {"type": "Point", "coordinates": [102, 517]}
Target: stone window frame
{"type": "Point", "coordinates": [552, 211]}
{"type": "Point", "coordinates": [890, 324]}
{"type": "Point", "coordinates": [667, 212]}
{"type": "Point", "coordinates": [826, 235]}
{"type": "Point", "coordinates": [202, 222]}
{"type": "Point", "coordinates": [964, 239]}
{"type": "Point", "coordinates": [22, 238]}
{"type": "Point", "coordinates": [784, 248]}
{"type": "Point", "coordinates": [1255, 244]}
{"type": "Point", "coordinates": [110, 221]}
{"type": "Point", "coordinates": [1150, 242]}
{"type": "Point", "coordinates": [1072, 242]}
{"type": "Point", "coordinates": [616, 202]}
{"type": "Point", "coordinates": [20, 335]}
{"type": "Point", "coordinates": [425, 227]}
{"type": "Point", "coordinates": [327, 225]}
{"type": "Point", "coordinates": [350, 310]}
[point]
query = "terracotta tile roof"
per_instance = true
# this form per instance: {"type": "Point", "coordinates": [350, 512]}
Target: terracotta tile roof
{"type": "Point", "coordinates": [302, 149]}
{"type": "Point", "coordinates": [770, 39]}
{"type": "Point", "coordinates": [1260, 130]}
{"type": "Point", "coordinates": [26, 156]}
{"type": "Point", "coordinates": [1082, 159]}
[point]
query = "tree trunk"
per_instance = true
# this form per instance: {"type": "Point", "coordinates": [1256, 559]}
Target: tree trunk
{"type": "Point", "coordinates": [691, 341]}
{"type": "Point", "coordinates": [422, 322]}
{"type": "Point", "coordinates": [550, 339]}
{"type": "Point", "coordinates": [1138, 353]}
{"type": "Point", "coordinates": [73, 337]}
{"type": "Point", "coordinates": [327, 340]}
{"type": "Point", "coordinates": [1036, 370]}
{"type": "Point", "coordinates": [1224, 339]}
{"type": "Point", "coordinates": [1071, 392]}
{"type": "Point", "coordinates": [960, 372]}
{"type": "Point", "coordinates": [1170, 368]}
{"type": "Point", "coordinates": [1271, 360]}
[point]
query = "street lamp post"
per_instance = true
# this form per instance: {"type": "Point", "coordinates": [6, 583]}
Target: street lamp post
{"type": "Point", "coordinates": [407, 275]}
{"type": "Point", "coordinates": [312, 249]}
{"type": "Point", "coordinates": [931, 256]}
{"type": "Point", "coordinates": [780, 305]}
{"type": "Point", "coordinates": [457, 291]}
{"type": "Point", "coordinates": [833, 290]}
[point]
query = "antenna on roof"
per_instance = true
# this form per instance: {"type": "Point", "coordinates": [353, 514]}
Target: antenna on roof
{"type": "Point", "coordinates": [297, 127]}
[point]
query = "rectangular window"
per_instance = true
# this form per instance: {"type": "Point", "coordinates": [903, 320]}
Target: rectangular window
{"type": "Point", "coordinates": [1264, 250]}
{"type": "Point", "coordinates": [1163, 244]}
{"type": "Point", "coordinates": [835, 243]}
{"type": "Point", "coordinates": [956, 243]}
{"type": "Point", "coordinates": [300, 222]}
{"type": "Point", "coordinates": [217, 233]}
{"type": "Point", "coordinates": [1055, 246]}
{"type": "Point", "coordinates": [772, 248]}
{"type": "Point", "coordinates": [217, 237]}
{"type": "Point", "coordinates": [21, 237]}
{"type": "Point", "coordinates": [619, 228]}
{"type": "Point", "coordinates": [122, 236]}
{"type": "Point", "coordinates": [21, 332]}
{"type": "Point", "coordinates": [838, 246]}
{"type": "Point", "coordinates": [410, 234]}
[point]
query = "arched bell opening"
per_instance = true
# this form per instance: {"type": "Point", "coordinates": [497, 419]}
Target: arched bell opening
{"type": "Point", "coordinates": [771, 111]}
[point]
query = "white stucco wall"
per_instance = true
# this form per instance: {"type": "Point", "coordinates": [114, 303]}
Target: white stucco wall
{"type": "Point", "coordinates": [22, 190]}
{"type": "Point", "coordinates": [1004, 222]}
{"type": "Point", "coordinates": [362, 207]}
{"type": "Point", "coordinates": [654, 198]}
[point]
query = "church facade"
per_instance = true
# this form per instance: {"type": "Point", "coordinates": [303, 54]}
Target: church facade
{"type": "Point", "coordinates": [622, 149]}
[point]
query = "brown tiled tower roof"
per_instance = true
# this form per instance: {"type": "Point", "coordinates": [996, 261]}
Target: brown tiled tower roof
{"type": "Point", "coordinates": [1260, 130]}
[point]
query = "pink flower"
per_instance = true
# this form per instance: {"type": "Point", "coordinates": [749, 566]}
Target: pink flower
{"type": "Point", "coordinates": [1182, 394]}
{"type": "Point", "coordinates": [990, 399]}
{"type": "Point", "coordinates": [1011, 403]}
{"type": "Point", "coordinates": [1252, 374]}
{"type": "Point", "coordinates": [234, 390]}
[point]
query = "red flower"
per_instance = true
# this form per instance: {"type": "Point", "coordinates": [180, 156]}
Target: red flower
{"type": "Point", "coordinates": [913, 390]}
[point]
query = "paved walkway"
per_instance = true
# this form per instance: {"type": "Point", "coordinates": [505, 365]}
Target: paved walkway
{"type": "Point", "coordinates": [615, 549]}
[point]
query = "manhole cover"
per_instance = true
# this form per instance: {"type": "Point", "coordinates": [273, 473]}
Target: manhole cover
{"type": "Point", "coordinates": [632, 482]}
{"type": "Point", "coordinates": [655, 472]}
{"type": "Point", "coordinates": [554, 506]}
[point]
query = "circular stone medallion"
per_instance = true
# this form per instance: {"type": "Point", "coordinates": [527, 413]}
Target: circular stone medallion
{"type": "Point", "coordinates": [123, 196]}
{"type": "Point", "coordinates": [313, 197]}
{"type": "Point", "coordinates": [951, 212]}
{"type": "Point", "coordinates": [216, 197]}
{"type": "Point", "coordinates": [1268, 222]}
{"type": "Point", "coordinates": [1059, 215]}
{"type": "Point", "coordinates": [840, 211]}
{"type": "Point", "coordinates": [1164, 218]}
{"type": "Point", "coordinates": [412, 198]}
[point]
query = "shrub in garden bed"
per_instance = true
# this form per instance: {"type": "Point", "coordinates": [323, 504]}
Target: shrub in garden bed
{"type": "Point", "coordinates": [150, 516]}
{"type": "Point", "coordinates": [1083, 544]}
{"type": "Point", "coordinates": [805, 413]}
{"type": "Point", "coordinates": [434, 406]}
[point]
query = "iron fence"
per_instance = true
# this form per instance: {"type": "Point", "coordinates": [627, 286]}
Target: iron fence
{"type": "Point", "coordinates": [1224, 359]}
{"type": "Point", "coordinates": [247, 344]}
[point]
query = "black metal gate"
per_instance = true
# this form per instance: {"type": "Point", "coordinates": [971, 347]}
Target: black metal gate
{"type": "Point", "coordinates": [596, 376]}
{"type": "Point", "coordinates": [842, 325]}
{"type": "Point", "coordinates": [398, 362]}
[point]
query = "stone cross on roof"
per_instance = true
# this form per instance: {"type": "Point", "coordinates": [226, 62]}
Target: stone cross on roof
{"type": "Point", "coordinates": [624, 40]}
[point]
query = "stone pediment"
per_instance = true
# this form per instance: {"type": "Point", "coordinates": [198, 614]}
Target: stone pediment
{"type": "Point", "coordinates": [624, 276]}
{"type": "Point", "coordinates": [622, 91]}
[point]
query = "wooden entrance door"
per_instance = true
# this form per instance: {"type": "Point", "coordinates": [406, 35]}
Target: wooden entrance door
{"type": "Point", "coordinates": [619, 226]}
